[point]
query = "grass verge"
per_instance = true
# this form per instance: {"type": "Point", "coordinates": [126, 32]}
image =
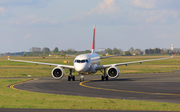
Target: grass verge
{"type": "Point", "coordinates": [10, 98]}
{"type": "Point", "coordinates": [19, 69]}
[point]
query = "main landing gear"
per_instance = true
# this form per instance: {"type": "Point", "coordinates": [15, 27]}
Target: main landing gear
{"type": "Point", "coordinates": [104, 77]}
{"type": "Point", "coordinates": [71, 76]}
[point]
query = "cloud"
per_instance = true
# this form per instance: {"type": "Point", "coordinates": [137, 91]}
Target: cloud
{"type": "Point", "coordinates": [10, 41]}
{"type": "Point", "coordinates": [3, 10]}
{"type": "Point", "coordinates": [162, 16]}
{"type": "Point", "coordinates": [155, 4]}
{"type": "Point", "coordinates": [105, 7]}
{"type": "Point", "coordinates": [26, 36]}
{"type": "Point", "coordinates": [106, 10]}
{"type": "Point", "coordinates": [3, 1]}
{"type": "Point", "coordinates": [145, 4]}
{"type": "Point", "coordinates": [25, 2]}
{"type": "Point", "coordinates": [33, 20]}
{"type": "Point", "coordinates": [177, 35]}
{"type": "Point", "coordinates": [161, 36]}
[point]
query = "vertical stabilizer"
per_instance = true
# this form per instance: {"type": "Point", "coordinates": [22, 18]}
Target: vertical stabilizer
{"type": "Point", "coordinates": [93, 43]}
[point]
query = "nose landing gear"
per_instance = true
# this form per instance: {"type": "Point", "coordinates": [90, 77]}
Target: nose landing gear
{"type": "Point", "coordinates": [81, 77]}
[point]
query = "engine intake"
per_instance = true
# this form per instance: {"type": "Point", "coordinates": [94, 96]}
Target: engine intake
{"type": "Point", "coordinates": [58, 73]}
{"type": "Point", "coordinates": [113, 72]}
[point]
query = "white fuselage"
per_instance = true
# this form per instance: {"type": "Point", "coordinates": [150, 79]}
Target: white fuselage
{"type": "Point", "coordinates": [84, 63]}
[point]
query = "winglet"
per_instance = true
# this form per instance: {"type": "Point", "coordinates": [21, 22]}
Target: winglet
{"type": "Point", "coordinates": [7, 57]}
{"type": "Point", "coordinates": [93, 43]}
{"type": "Point", "coordinates": [173, 55]}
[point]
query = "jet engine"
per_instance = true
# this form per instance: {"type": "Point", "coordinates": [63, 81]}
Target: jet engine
{"type": "Point", "coordinates": [58, 73]}
{"type": "Point", "coordinates": [113, 72]}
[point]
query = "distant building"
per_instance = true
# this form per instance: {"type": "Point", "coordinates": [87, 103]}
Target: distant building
{"type": "Point", "coordinates": [172, 47]}
{"type": "Point", "coordinates": [134, 53]}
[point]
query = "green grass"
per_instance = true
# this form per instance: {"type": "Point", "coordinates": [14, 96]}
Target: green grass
{"type": "Point", "coordinates": [19, 69]}
{"type": "Point", "coordinates": [10, 98]}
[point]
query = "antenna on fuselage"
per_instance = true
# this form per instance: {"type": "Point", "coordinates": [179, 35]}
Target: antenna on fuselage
{"type": "Point", "coordinates": [93, 43]}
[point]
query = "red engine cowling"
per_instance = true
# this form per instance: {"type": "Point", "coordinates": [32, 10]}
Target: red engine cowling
{"type": "Point", "coordinates": [58, 73]}
{"type": "Point", "coordinates": [113, 72]}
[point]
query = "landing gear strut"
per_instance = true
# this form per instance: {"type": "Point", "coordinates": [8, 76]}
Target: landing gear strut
{"type": "Point", "coordinates": [81, 77]}
{"type": "Point", "coordinates": [104, 76]}
{"type": "Point", "coordinates": [71, 76]}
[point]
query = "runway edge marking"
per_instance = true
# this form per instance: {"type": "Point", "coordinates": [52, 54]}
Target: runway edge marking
{"type": "Point", "coordinates": [81, 84]}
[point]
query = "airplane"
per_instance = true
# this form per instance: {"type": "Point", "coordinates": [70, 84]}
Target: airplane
{"type": "Point", "coordinates": [87, 64]}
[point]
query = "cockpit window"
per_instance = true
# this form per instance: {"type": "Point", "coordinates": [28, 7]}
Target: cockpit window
{"type": "Point", "coordinates": [81, 61]}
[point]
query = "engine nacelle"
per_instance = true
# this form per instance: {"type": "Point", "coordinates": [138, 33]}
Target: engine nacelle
{"type": "Point", "coordinates": [113, 72]}
{"type": "Point", "coordinates": [58, 73]}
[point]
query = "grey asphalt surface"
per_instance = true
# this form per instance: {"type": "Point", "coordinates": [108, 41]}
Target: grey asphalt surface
{"type": "Point", "coordinates": [161, 87]}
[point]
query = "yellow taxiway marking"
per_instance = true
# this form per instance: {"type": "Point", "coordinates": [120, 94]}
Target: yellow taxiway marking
{"type": "Point", "coordinates": [82, 84]}
{"type": "Point", "coordinates": [145, 76]}
{"type": "Point", "coordinates": [12, 86]}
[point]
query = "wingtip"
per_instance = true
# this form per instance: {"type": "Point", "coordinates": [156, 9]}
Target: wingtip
{"type": "Point", "coordinates": [7, 56]}
{"type": "Point", "coordinates": [173, 55]}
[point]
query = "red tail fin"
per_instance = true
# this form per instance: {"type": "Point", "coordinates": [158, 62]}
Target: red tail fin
{"type": "Point", "coordinates": [93, 43]}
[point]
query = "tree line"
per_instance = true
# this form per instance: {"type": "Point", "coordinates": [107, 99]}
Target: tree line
{"type": "Point", "coordinates": [36, 51]}
{"type": "Point", "coordinates": [153, 51]}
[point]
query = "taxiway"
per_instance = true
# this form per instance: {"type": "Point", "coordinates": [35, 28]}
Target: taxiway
{"type": "Point", "coordinates": [161, 87]}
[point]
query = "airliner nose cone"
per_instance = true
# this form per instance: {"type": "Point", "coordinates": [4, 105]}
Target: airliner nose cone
{"type": "Point", "coordinates": [80, 67]}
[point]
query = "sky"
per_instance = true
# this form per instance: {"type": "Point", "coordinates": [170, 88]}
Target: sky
{"type": "Point", "coordinates": [68, 24]}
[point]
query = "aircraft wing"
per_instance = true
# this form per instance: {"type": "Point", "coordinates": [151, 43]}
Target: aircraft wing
{"type": "Point", "coordinates": [109, 56]}
{"type": "Point", "coordinates": [50, 64]}
{"type": "Point", "coordinates": [127, 63]}
{"type": "Point", "coordinates": [71, 55]}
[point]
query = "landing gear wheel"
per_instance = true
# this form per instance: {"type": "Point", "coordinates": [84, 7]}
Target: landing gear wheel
{"type": "Point", "coordinates": [102, 78]}
{"type": "Point", "coordinates": [73, 78]}
{"type": "Point", "coordinates": [107, 78]}
{"type": "Point", "coordinates": [69, 78]}
{"type": "Point", "coordinates": [81, 79]}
